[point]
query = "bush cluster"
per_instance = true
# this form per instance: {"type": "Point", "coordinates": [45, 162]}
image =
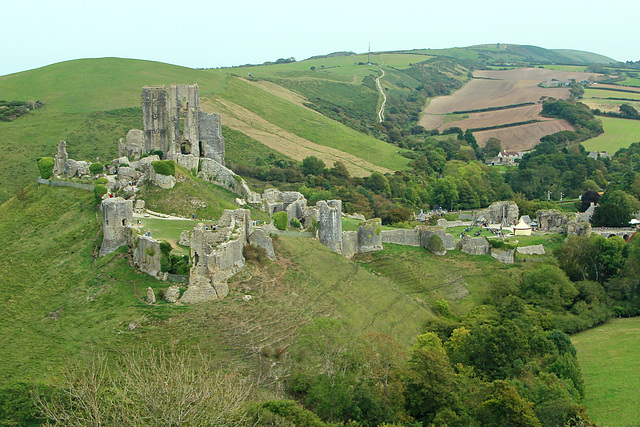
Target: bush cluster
{"type": "Point", "coordinates": [280, 220]}
{"type": "Point", "coordinates": [164, 167]}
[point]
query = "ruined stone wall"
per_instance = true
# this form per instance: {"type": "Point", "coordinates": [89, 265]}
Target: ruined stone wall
{"type": "Point", "coordinates": [578, 228]}
{"type": "Point", "coordinates": [474, 245]}
{"type": "Point", "coordinates": [146, 256]}
{"type": "Point", "coordinates": [60, 158]}
{"type": "Point", "coordinates": [330, 224]}
{"type": "Point", "coordinates": [210, 136]}
{"type": "Point", "coordinates": [349, 243]}
{"type": "Point", "coordinates": [369, 238]}
{"type": "Point", "coordinates": [117, 218]}
{"type": "Point", "coordinates": [212, 171]}
{"type": "Point", "coordinates": [214, 260]}
{"type": "Point", "coordinates": [188, 161]}
{"type": "Point", "coordinates": [552, 220]}
{"type": "Point", "coordinates": [505, 256]}
{"type": "Point", "coordinates": [502, 213]}
{"type": "Point", "coordinates": [154, 118]}
{"type": "Point", "coordinates": [426, 232]}
{"type": "Point", "coordinates": [183, 102]}
{"type": "Point", "coordinates": [409, 237]}
{"type": "Point", "coordinates": [531, 250]}
{"type": "Point", "coordinates": [133, 147]}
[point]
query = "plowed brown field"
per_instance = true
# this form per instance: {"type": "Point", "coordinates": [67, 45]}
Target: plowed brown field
{"type": "Point", "coordinates": [525, 137]}
{"type": "Point", "coordinates": [499, 117]}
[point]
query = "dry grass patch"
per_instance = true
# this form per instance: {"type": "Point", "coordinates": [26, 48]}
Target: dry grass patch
{"type": "Point", "coordinates": [254, 126]}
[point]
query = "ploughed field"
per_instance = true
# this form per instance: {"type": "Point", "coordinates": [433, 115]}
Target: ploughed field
{"type": "Point", "coordinates": [504, 88]}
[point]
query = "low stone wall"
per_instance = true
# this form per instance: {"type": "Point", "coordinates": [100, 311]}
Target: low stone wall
{"type": "Point", "coordinates": [349, 243]}
{"type": "Point", "coordinates": [177, 278]}
{"type": "Point", "coordinates": [448, 224]}
{"type": "Point", "coordinates": [531, 250]}
{"type": "Point", "coordinates": [474, 245]}
{"type": "Point", "coordinates": [401, 236]}
{"type": "Point", "coordinates": [55, 183]}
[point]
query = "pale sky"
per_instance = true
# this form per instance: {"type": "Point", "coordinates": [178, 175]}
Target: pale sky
{"type": "Point", "coordinates": [199, 33]}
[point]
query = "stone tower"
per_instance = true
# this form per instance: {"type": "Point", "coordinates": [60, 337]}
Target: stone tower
{"type": "Point", "coordinates": [154, 118]}
{"type": "Point", "coordinates": [117, 219]}
{"type": "Point", "coordinates": [330, 224]}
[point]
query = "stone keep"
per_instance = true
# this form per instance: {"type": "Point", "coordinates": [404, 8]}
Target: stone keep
{"type": "Point", "coordinates": [330, 224]}
{"type": "Point", "coordinates": [216, 256]}
{"type": "Point", "coordinates": [117, 218]}
{"type": "Point", "coordinates": [210, 134]}
{"type": "Point", "coordinates": [154, 118]}
{"type": "Point", "coordinates": [552, 220]}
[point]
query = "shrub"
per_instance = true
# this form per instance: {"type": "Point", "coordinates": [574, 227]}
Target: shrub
{"type": "Point", "coordinates": [95, 168]}
{"type": "Point", "coordinates": [436, 245]}
{"type": "Point", "coordinates": [102, 180]}
{"type": "Point", "coordinates": [280, 220]}
{"type": "Point", "coordinates": [295, 223]}
{"type": "Point", "coordinates": [158, 152]}
{"type": "Point", "coordinates": [45, 165]}
{"type": "Point", "coordinates": [164, 167]}
{"type": "Point", "coordinates": [165, 247]}
{"type": "Point", "coordinates": [292, 412]}
{"type": "Point", "coordinates": [99, 191]}
{"type": "Point", "coordinates": [255, 254]}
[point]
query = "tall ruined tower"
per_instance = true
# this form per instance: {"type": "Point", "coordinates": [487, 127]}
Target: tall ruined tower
{"type": "Point", "coordinates": [330, 224]}
{"type": "Point", "coordinates": [117, 219]}
{"type": "Point", "coordinates": [154, 118]}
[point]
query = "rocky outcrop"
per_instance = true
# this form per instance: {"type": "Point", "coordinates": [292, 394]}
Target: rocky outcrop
{"type": "Point", "coordinates": [166, 182]}
{"type": "Point", "coordinates": [139, 206]}
{"type": "Point", "coordinates": [172, 294]}
{"type": "Point", "coordinates": [474, 245]}
{"type": "Point", "coordinates": [504, 213]}
{"type": "Point", "coordinates": [117, 219]}
{"type": "Point", "coordinates": [151, 296]}
{"type": "Point", "coordinates": [185, 238]}
{"type": "Point", "coordinates": [531, 250]}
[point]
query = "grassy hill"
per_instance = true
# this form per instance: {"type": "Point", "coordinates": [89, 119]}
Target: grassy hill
{"type": "Point", "coordinates": [91, 103]}
{"type": "Point", "coordinates": [609, 358]}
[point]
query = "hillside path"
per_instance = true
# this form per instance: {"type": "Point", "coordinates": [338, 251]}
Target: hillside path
{"type": "Point", "coordinates": [384, 97]}
{"type": "Point", "coordinates": [287, 143]}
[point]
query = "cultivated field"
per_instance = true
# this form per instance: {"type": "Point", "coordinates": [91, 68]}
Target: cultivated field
{"type": "Point", "coordinates": [616, 89]}
{"type": "Point", "coordinates": [601, 92]}
{"type": "Point", "coordinates": [493, 88]}
{"type": "Point", "coordinates": [609, 359]}
{"type": "Point", "coordinates": [499, 117]}
{"type": "Point", "coordinates": [525, 137]}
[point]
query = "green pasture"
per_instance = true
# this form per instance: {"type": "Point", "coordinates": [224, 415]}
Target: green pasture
{"type": "Point", "coordinates": [609, 359]}
{"type": "Point", "coordinates": [618, 133]}
{"type": "Point", "coordinates": [312, 126]}
{"type": "Point", "coordinates": [459, 278]}
{"type": "Point", "coordinates": [604, 94]}
{"type": "Point", "coordinates": [630, 82]}
{"type": "Point", "coordinates": [169, 230]}
{"type": "Point", "coordinates": [571, 68]}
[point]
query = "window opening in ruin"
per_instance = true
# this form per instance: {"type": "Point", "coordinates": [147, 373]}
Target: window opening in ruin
{"type": "Point", "coordinates": [196, 259]}
{"type": "Point", "coordinates": [124, 222]}
{"type": "Point", "coordinates": [201, 148]}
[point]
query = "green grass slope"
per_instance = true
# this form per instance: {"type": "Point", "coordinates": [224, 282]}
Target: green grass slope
{"type": "Point", "coordinates": [618, 133]}
{"type": "Point", "coordinates": [91, 103]}
{"type": "Point", "coordinates": [609, 359]}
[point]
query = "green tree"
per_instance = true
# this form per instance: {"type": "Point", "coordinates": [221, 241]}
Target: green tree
{"type": "Point", "coordinates": [96, 168]}
{"type": "Point", "coordinates": [548, 286]}
{"type": "Point", "coordinates": [431, 384]}
{"type": "Point", "coordinates": [378, 183]}
{"type": "Point", "coordinates": [505, 407]}
{"type": "Point", "coordinates": [445, 193]}
{"type": "Point", "coordinates": [615, 209]}
{"type": "Point", "coordinates": [312, 166]}
{"type": "Point", "coordinates": [493, 147]}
